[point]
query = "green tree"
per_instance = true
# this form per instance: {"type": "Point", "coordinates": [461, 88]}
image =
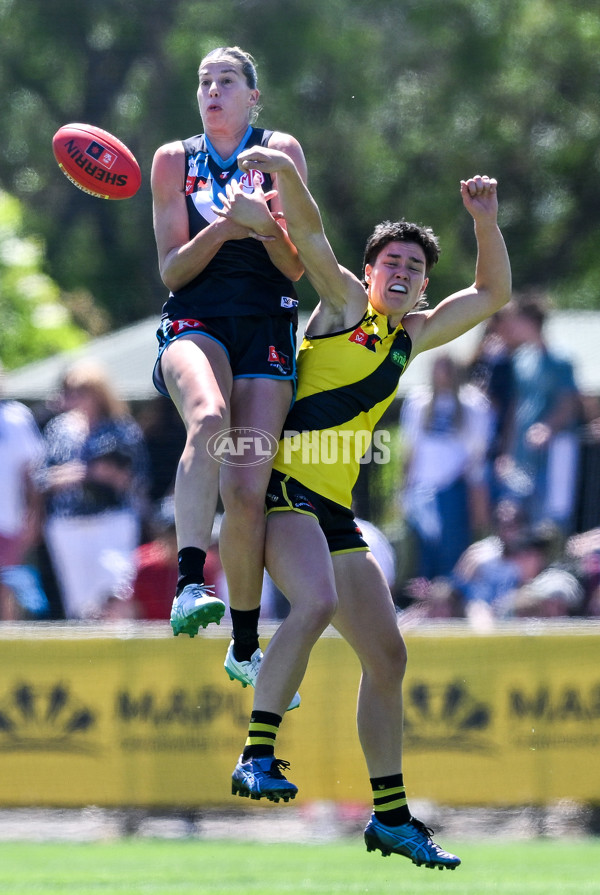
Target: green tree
{"type": "Point", "coordinates": [35, 321]}
{"type": "Point", "coordinates": [393, 103]}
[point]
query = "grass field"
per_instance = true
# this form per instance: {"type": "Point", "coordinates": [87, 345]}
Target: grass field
{"type": "Point", "coordinates": [159, 867]}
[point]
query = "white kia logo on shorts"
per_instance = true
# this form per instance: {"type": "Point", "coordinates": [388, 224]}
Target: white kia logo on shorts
{"type": "Point", "coordinates": [242, 446]}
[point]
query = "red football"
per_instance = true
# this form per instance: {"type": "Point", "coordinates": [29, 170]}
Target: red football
{"type": "Point", "coordinates": [96, 162]}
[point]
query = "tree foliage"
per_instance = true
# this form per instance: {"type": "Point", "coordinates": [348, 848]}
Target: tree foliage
{"type": "Point", "coordinates": [35, 322]}
{"type": "Point", "coordinates": [392, 102]}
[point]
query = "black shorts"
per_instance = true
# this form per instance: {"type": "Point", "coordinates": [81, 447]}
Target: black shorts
{"type": "Point", "coordinates": [337, 522]}
{"type": "Point", "coordinates": [257, 347]}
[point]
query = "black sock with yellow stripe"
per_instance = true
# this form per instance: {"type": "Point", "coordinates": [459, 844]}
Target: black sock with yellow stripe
{"type": "Point", "coordinates": [389, 800]}
{"type": "Point", "coordinates": [262, 733]}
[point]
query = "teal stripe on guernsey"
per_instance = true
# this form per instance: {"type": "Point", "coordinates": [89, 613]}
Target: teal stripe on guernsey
{"type": "Point", "coordinates": [328, 409]}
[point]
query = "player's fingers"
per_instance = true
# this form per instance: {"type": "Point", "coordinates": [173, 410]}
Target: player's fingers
{"type": "Point", "coordinates": [472, 185]}
{"type": "Point", "coordinates": [475, 185]}
{"type": "Point", "coordinates": [486, 185]}
{"type": "Point", "coordinates": [257, 181]}
{"type": "Point", "coordinates": [249, 162]}
{"type": "Point", "coordinates": [259, 237]}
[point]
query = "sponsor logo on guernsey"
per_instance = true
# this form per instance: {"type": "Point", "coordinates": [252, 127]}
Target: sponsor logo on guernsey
{"type": "Point", "coordinates": [193, 184]}
{"type": "Point", "coordinates": [279, 359]}
{"type": "Point", "coordinates": [301, 501]}
{"type": "Point", "coordinates": [247, 179]}
{"type": "Point", "coordinates": [360, 337]}
{"type": "Point", "coordinates": [198, 175]}
{"type": "Point", "coordinates": [398, 357]}
{"type": "Point", "coordinates": [287, 302]}
{"type": "Point", "coordinates": [180, 326]}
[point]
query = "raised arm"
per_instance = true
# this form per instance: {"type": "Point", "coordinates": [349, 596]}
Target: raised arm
{"type": "Point", "coordinates": [282, 251]}
{"type": "Point", "coordinates": [491, 288]}
{"type": "Point", "coordinates": [341, 294]}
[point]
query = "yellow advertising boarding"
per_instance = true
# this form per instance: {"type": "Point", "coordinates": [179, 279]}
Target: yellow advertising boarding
{"type": "Point", "coordinates": [139, 718]}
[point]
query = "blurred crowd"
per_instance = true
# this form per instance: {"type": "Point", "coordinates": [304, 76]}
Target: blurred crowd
{"type": "Point", "coordinates": [494, 478]}
{"type": "Point", "coordinates": [494, 471]}
{"type": "Point", "coordinates": [81, 482]}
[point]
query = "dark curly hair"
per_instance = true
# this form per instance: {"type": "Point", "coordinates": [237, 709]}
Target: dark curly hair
{"type": "Point", "coordinates": [402, 231]}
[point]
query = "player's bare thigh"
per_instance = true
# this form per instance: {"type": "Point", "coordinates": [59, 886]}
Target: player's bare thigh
{"type": "Point", "coordinates": [198, 377]}
{"type": "Point", "coordinates": [261, 402]}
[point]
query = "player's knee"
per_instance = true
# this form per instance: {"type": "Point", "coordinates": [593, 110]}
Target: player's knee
{"type": "Point", "coordinates": [205, 425]}
{"type": "Point", "coordinates": [324, 607]}
{"type": "Point", "coordinates": [243, 494]}
{"type": "Point", "coordinates": [400, 659]}
{"type": "Point", "coordinates": [316, 612]}
{"type": "Point", "coordinates": [392, 660]}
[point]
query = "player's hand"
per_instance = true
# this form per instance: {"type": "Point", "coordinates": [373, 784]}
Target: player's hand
{"type": "Point", "coordinates": [480, 197]}
{"type": "Point", "coordinates": [248, 210]}
{"type": "Point", "coordinates": [263, 158]}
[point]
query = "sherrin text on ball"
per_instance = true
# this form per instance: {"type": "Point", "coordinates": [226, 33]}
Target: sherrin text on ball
{"type": "Point", "coordinates": [96, 161]}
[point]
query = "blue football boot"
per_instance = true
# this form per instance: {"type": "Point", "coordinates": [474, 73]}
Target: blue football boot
{"type": "Point", "coordinates": [413, 840]}
{"type": "Point", "coordinates": [262, 778]}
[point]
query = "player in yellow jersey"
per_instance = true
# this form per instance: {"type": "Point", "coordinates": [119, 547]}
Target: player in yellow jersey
{"type": "Point", "coordinates": [359, 340]}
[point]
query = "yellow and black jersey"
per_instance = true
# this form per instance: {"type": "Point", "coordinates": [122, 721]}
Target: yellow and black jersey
{"type": "Point", "coordinates": [346, 380]}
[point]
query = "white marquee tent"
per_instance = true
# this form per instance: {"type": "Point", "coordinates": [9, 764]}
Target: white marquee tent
{"type": "Point", "coordinates": [129, 354]}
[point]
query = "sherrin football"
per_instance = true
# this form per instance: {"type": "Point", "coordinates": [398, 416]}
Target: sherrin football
{"type": "Point", "coordinates": [96, 161]}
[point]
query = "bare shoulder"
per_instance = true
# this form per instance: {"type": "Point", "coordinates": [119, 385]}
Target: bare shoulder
{"type": "Point", "coordinates": [167, 164]}
{"type": "Point", "coordinates": [290, 145]}
{"type": "Point", "coordinates": [343, 299]}
{"type": "Point", "coordinates": [328, 319]}
{"type": "Point", "coordinates": [282, 141]}
{"type": "Point", "coordinates": [169, 155]}
{"type": "Point", "coordinates": [413, 323]}
{"type": "Point", "coordinates": [169, 151]}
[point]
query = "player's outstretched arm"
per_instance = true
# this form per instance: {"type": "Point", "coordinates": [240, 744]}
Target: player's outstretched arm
{"type": "Point", "coordinates": [492, 270]}
{"type": "Point", "coordinates": [335, 285]}
{"type": "Point", "coordinates": [491, 288]}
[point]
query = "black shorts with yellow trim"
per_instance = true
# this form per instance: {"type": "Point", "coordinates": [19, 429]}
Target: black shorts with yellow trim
{"type": "Point", "coordinates": [337, 522]}
{"type": "Point", "coordinates": [257, 346]}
